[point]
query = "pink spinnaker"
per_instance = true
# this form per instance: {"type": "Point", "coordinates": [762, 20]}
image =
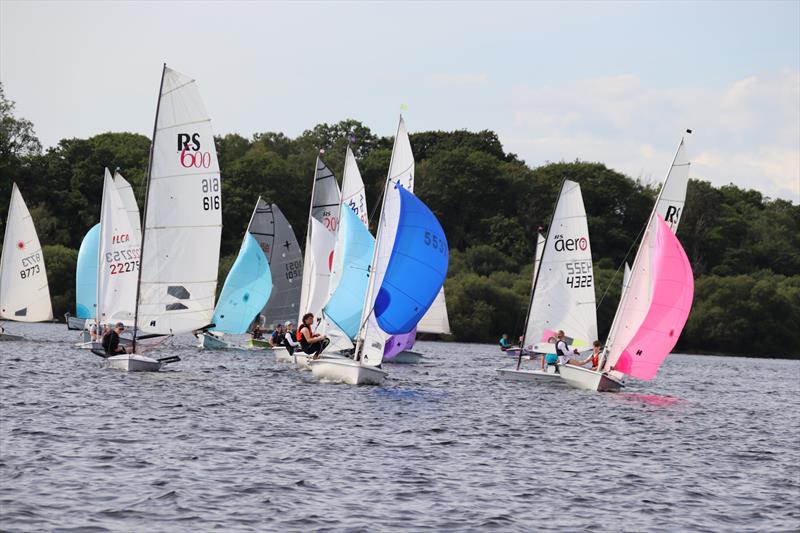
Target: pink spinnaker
{"type": "Point", "coordinates": [398, 343]}
{"type": "Point", "coordinates": [670, 304]}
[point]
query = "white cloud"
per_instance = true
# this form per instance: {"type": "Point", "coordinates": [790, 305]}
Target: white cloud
{"type": "Point", "coordinates": [747, 133]}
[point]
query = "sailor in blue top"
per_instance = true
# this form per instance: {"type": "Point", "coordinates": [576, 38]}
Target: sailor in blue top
{"type": "Point", "coordinates": [504, 345]}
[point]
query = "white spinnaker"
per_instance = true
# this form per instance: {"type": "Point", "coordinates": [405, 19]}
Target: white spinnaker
{"type": "Point", "coordinates": [635, 299]}
{"type": "Point", "coordinates": [118, 258]}
{"type": "Point", "coordinates": [183, 214]}
{"type": "Point", "coordinates": [24, 292]}
{"type": "Point", "coordinates": [563, 296]}
{"type": "Point", "coordinates": [401, 171]}
{"type": "Point", "coordinates": [129, 201]}
{"type": "Point", "coordinates": [325, 200]}
{"type": "Point", "coordinates": [436, 319]}
{"type": "Point", "coordinates": [353, 192]}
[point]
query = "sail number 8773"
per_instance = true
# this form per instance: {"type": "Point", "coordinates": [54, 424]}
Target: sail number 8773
{"type": "Point", "coordinates": [211, 201]}
{"type": "Point", "coordinates": [435, 242]}
{"type": "Point", "coordinates": [579, 274]}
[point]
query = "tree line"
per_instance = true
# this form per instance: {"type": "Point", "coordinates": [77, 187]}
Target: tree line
{"type": "Point", "coordinates": [744, 247]}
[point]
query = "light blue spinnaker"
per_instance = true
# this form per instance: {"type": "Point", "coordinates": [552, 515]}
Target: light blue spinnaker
{"type": "Point", "coordinates": [86, 275]}
{"type": "Point", "coordinates": [353, 261]}
{"type": "Point", "coordinates": [246, 290]}
{"type": "Point", "coordinates": [416, 269]}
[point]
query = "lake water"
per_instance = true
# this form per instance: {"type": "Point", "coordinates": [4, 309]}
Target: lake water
{"type": "Point", "coordinates": [233, 441]}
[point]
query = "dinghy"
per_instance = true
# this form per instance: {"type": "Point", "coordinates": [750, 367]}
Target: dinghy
{"type": "Point", "coordinates": [562, 295]}
{"type": "Point", "coordinates": [516, 351]}
{"type": "Point", "coordinates": [244, 293]}
{"type": "Point", "coordinates": [656, 300]}
{"type": "Point", "coordinates": [24, 292]}
{"type": "Point", "coordinates": [408, 268]}
{"type": "Point", "coordinates": [182, 226]}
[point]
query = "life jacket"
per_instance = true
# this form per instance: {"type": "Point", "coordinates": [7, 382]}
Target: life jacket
{"type": "Point", "coordinates": [277, 338]}
{"type": "Point", "coordinates": [562, 352]}
{"type": "Point", "coordinates": [301, 338]}
{"type": "Point", "coordinates": [595, 359]}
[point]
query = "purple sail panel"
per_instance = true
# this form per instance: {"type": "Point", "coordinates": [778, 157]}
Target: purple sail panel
{"type": "Point", "coordinates": [398, 343]}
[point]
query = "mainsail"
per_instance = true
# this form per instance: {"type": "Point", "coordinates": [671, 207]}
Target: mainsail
{"type": "Point", "coordinates": [632, 309]}
{"type": "Point", "coordinates": [118, 258]}
{"type": "Point", "coordinates": [563, 294]}
{"type": "Point", "coordinates": [401, 172]}
{"type": "Point", "coordinates": [436, 319]}
{"type": "Point", "coordinates": [86, 275]}
{"type": "Point", "coordinates": [353, 192]}
{"type": "Point", "coordinates": [24, 292]}
{"type": "Point", "coordinates": [320, 241]}
{"type": "Point", "coordinates": [276, 238]}
{"type": "Point", "coordinates": [129, 201]}
{"type": "Point", "coordinates": [183, 214]}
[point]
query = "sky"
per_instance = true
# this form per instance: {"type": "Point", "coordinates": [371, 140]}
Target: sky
{"type": "Point", "coordinates": [615, 82]}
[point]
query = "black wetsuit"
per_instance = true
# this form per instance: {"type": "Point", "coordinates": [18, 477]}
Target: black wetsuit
{"type": "Point", "coordinates": [111, 344]}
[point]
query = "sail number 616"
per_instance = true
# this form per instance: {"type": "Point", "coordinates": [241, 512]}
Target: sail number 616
{"type": "Point", "coordinates": [210, 201]}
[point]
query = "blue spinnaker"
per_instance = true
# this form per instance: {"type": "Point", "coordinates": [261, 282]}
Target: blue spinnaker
{"type": "Point", "coordinates": [352, 260]}
{"type": "Point", "coordinates": [86, 275]}
{"type": "Point", "coordinates": [416, 269]}
{"type": "Point", "coordinates": [246, 290]}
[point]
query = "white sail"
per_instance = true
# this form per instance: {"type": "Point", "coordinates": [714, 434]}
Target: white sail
{"type": "Point", "coordinates": [401, 172]}
{"type": "Point", "coordinates": [183, 214]}
{"type": "Point", "coordinates": [118, 258]}
{"type": "Point", "coordinates": [129, 201]}
{"type": "Point", "coordinates": [24, 292]}
{"type": "Point", "coordinates": [539, 251]}
{"type": "Point", "coordinates": [563, 296]}
{"type": "Point", "coordinates": [634, 301]}
{"type": "Point", "coordinates": [353, 192]}
{"type": "Point", "coordinates": [436, 319]}
{"type": "Point", "coordinates": [325, 199]}
{"type": "Point", "coordinates": [626, 279]}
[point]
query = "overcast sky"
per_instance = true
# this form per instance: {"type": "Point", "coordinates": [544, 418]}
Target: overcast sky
{"type": "Point", "coordinates": [611, 82]}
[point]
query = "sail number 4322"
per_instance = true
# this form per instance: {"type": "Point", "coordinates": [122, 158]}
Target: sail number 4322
{"type": "Point", "coordinates": [211, 201]}
{"type": "Point", "coordinates": [579, 274]}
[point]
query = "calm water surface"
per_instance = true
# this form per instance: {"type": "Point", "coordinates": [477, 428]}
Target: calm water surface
{"type": "Point", "coordinates": [232, 441]}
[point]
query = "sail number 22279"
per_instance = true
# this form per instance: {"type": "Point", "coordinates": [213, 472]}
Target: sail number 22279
{"type": "Point", "coordinates": [210, 189]}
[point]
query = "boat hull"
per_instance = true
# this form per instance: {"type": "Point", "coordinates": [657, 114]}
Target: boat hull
{"type": "Point", "coordinates": [406, 357]}
{"type": "Point", "coordinates": [583, 378]}
{"type": "Point", "coordinates": [258, 343]}
{"type": "Point", "coordinates": [75, 323]}
{"type": "Point", "coordinates": [346, 371]}
{"type": "Point", "coordinates": [212, 342]}
{"type": "Point", "coordinates": [7, 337]}
{"type": "Point", "coordinates": [133, 363]}
{"type": "Point", "coordinates": [550, 375]}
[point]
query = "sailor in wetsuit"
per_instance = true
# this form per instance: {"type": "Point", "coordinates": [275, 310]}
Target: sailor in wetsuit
{"type": "Point", "coordinates": [111, 341]}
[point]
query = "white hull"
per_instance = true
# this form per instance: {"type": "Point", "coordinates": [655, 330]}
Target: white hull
{"type": "Point", "coordinates": [282, 355]}
{"type": "Point", "coordinates": [212, 342]}
{"type": "Point", "coordinates": [549, 375]}
{"type": "Point", "coordinates": [583, 378]}
{"type": "Point", "coordinates": [406, 357]}
{"type": "Point", "coordinates": [346, 371]}
{"type": "Point", "coordinates": [133, 363]}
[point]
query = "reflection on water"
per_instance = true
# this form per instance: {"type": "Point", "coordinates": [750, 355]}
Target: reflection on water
{"type": "Point", "coordinates": [235, 442]}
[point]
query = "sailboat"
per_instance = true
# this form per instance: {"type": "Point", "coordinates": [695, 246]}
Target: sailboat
{"type": "Point", "coordinates": [408, 268]}
{"type": "Point", "coordinates": [24, 292]}
{"type": "Point", "coordinates": [656, 301]}
{"type": "Point", "coordinates": [86, 281]}
{"type": "Point", "coordinates": [182, 222]}
{"type": "Point", "coordinates": [277, 240]}
{"type": "Point", "coordinates": [352, 258]}
{"type": "Point", "coordinates": [563, 296]}
{"type": "Point", "coordinates": [245, 292]}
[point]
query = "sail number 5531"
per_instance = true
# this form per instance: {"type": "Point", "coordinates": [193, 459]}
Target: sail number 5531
{"type": "Point", "coordinates": [211, 201]}
{"type": "Point", "coordinates": [434, 242]}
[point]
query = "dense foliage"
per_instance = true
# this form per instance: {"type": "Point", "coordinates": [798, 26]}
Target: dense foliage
{"type": "Point", "coordinates": [744, 248]}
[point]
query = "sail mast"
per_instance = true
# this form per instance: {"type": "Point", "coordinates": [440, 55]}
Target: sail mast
{"type": "Point", "coordinates": [371, 286]}
{"type": "Point", "coordinates": [536, 277]}
{"type": "Point", "coordinates": [144, 216]}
